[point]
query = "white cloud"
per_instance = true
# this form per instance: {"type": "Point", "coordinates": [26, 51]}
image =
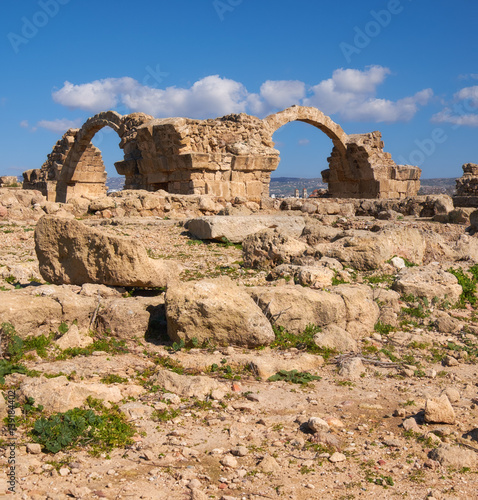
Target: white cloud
{"type": "Point", "coordinates": [462, 111]}
{"type": "Point", "coordinates": [24, 124]}
{"type": "Point", "coordinates": [209, 97]}
{"type": "Point", "coordinates": [99, 95]}
{"type": "Point", "coordinates": [470, 93]}
{"type": "Point", "coordinates": [303, 142]}
{"type": "Point", "coordinates": [359, 82]}
{"type": "Point", "coordinates": [59, 126]}
{"type": "Point", "coordinates": [447, 116]}
{"type": "Point", "coordinates": [350, 93]}
{"type": "Point", "coordinates": [282, 93]}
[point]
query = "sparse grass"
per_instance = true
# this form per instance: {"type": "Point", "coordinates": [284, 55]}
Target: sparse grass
{"type": "Point", "coordinates": [165, 415]}
{"type": "Point", "coordinates": [379, 278]}
{"type": "Point", "coordinates": [112, 378]}
{"type": "Point", "coordinates": [225, 370]}
{"type": "Point", "coordinates": [103, 343]}
{"type": "Point", "coordinates": [195, 242]}
{"type": "Point", "coordinates": [294, 376]}
{"type": "Point", "coordinates": [98, 427]}
{"type": "Point", "coordinates": [303, 341]}
{"type": "Point", "coordinates": [383, 328]}
{"type": "Point", "coordinates": [467, 283]}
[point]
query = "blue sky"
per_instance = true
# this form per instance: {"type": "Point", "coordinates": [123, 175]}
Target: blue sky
{"type": "Point", "coordinates": [405, 67]}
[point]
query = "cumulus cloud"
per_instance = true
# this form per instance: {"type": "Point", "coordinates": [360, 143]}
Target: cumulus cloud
{"type": "Point", "coordinates": [59, 126]}
{"type": "Point", "coordinates": [210, 96]}
{"type": "Point", "coordinates": [470, 93]}
{"type": "Point", "coordinates": [95, 96]}
{"type": "Point", "coordinates": [24, 124]}
{"type": "Point", "coordinates": [349, 93]}
{"type": "Point", "coordinates": [448, 116]}
{"type": "Point", "coordinates": [462, 111]}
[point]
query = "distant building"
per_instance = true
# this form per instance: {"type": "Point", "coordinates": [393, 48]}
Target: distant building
{"type": "Point", "coordinates": [296, 193]}
{"type": "Point", "coordinates": [304, 193]}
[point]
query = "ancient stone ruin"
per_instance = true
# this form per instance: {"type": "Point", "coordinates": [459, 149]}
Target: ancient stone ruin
{"type": "Point", "coordinates": [467, 187]}
{"type": "Point", "coordinates": [226, 157]}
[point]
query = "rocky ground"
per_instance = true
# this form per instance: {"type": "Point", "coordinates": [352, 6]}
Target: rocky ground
{"type": "Point", "coordinates": [383, 338]}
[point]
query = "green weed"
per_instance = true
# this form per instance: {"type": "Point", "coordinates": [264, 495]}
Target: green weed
{"type": "Point", "coordinates": [294, 376]}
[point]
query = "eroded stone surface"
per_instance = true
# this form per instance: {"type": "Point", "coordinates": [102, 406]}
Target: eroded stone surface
{"type": "Point", "coordinates": [72, 253]}
{"type": "Point", "coordinates": [228, 157]}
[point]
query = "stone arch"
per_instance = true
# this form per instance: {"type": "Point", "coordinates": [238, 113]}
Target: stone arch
{"type": "Point", "coordinates": [339, 170]}
{"type": "Point", "coordinates": [314, 117]}
{"type": "Point", "coordinates": [83, 171]}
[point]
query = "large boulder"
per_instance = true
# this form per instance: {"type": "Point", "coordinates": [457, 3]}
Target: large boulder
{"type": "Point", "coordinates": [29, 315]}
{"type": "Point", "coordinates": [70, 252]}
{"type": "Point", "coordinates": [216, 310]}
{"type": "Point", "coordinates": [334, 337]}
{"type": "Point", "coordinates": [362, 312]}
{"type": "Point", "coordinates": [60, 395]}
{"type": "Point", "coordinates": [367, 250]}
{"type": "Point", "coordinates": [270, 248]}
{"type": "Point", "coordinates": [295, 307]}
{"type": "Point", "coordinates": [454, 456]}
{"type": "Point", "coordinates": [237, 228]}
{"type": "Point", "coordinates": [131, 317]}
{"type": "Point", "coordinates": [429, 282]}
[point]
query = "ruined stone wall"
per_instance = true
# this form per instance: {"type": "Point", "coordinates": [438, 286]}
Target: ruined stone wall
{"type": "Point", "coordinates": [225, 157]}
{"type": "Point", "coordinates": [467, 187]}
{"type": "Point", "coordinates": [229, 157]}
{"type": "Point", "coordinates": [369, 172]}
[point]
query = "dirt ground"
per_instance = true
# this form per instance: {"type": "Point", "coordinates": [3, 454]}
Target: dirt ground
{"type": "Point", "coordinates": [254, 441]}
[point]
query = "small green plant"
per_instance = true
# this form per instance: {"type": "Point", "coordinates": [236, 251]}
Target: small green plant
{"type": "Point", "coordinates": [103, 430]}
{"type": "Point", "coordinates": [468, 284]}
{"type": "Point", "coordinates": [416, 312]}
{"type": "Point", "coordinates": [294, 376]}
{"type": "Point", "coordinates": [384, 328]}
{"type": "Point", "coordinates": [345, 383]}
{"type": "Point", "coordinates": [195, 242]}
{"type": "Point", "coordinates": [63, 328]}
{"type": "Point", "coordinates": [7, 368]}
{"type": "Point", "coordinates": [38, 344]}
{"type": "Point", "coordinates": [303, 341]}
{"type": "Point", "coordinates": [225, 370]}
{"type": "Point", "coordinates": [165, 415]}
{"type": "Point", "coordinates": [112, 378]}
{"type": "Point", "coordinates": [104, 343]}
{"type": "Point", "coordinates": [380, 479]}
{"type": "Point", "coordinates": [381, 278]}
{"type": "Point", "coordinates": [336, 280]}
{"type": "Point", "coordinates": [226, 243]}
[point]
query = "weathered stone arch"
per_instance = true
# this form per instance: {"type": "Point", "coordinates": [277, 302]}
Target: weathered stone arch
{"type": "Point", "coordinates": [232, 156]}
{"type": "Point", "coordinates": [83, 170]}
{"type": "Point", "coordinates": [309, 115]}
